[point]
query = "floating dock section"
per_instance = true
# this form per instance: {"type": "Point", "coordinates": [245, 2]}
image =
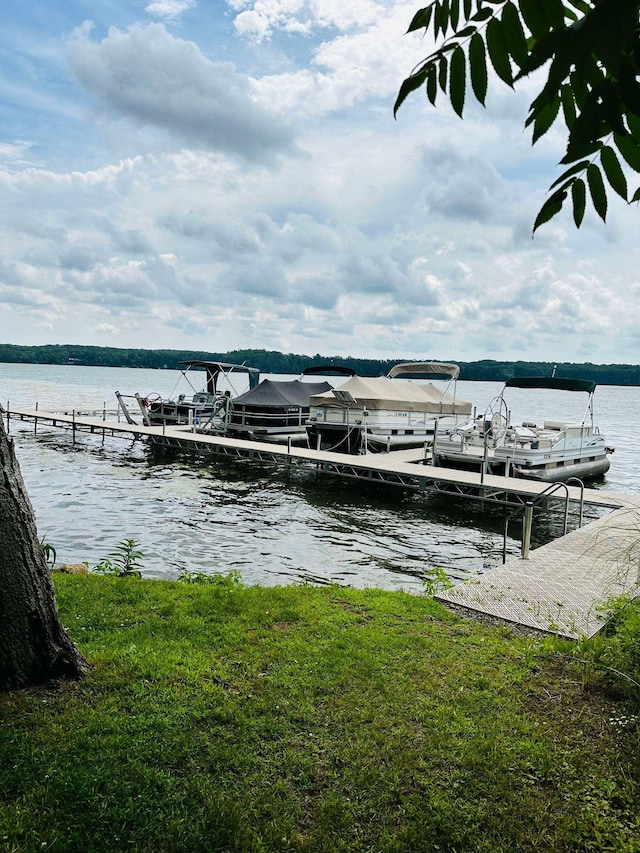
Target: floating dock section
{"type": "Point", "coordinates": [560, 589]}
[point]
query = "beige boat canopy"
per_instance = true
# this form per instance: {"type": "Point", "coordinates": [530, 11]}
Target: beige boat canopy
{"type": "Point", "coordinates": [430, 367]}
{"type": "Point", "coordinates": [397, 395]}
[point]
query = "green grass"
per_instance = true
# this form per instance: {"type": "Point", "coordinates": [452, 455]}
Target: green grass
{"type": "Point", "coordinates": [230, 718]}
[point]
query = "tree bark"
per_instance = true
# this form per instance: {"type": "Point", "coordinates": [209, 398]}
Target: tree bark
{"type": "Point", "coordinates": [34, 646]}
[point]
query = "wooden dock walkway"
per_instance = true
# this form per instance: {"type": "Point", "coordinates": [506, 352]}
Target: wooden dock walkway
{"type": "Point", "coordinates": [557, 589]}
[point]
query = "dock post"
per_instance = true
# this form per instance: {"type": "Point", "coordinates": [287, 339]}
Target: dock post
{"type": "Point", "coordinates": [527, 524]}
{"type": "Point", "coordinates": [104, 410]}
{"type": "Point", "coordinates": [8, 405]}
{"type": "Point", "coordinates": [504, 539]}
{"type": "Point", "coordinates": [73, 425]}
{"type": "Point", "coordinates": [485, 456]}
{"type": "Point", "coordinates": [434, 446]}
{"type": "Point", "coordinates": [35, 421]}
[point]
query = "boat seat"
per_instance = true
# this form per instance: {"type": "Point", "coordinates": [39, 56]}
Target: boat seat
{"type": "Point", "coordinates": [464, 429]}
{"type": "Point", "coordinates": [522, 433]}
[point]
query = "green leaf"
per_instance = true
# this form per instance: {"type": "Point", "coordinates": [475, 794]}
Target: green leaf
{"type": "Point", "coordinates": [467, 6]}
{"type": "Point", "coordinates": [553, 11]}
{"type": "Point", "coordinates": [535, 20]}
{"type": "Point", "coordinates": [636, 195]}
{"type": "Point", "coordinates": [478, 67]}
{"type": "Point", "coordinates": [611, 29]}
{"type": "Point", "coordinates": [421, 19]}
{"type": "Point", "coordinates": [630, 150]}
{"type": "Point", "coordinates": [442, 73]}
{"type": "Point", "coordinates": [409, 85]}
{"type": "Point", "coordinates": [482, 15]}
{"type": "Point", "coordinates": [549, 209]}
{"type": "Point", "coordinates": [613, 171]}
{"type": "Point", "coordinates": [586, 130]}
{"type": "Point", "coordinates": [498, 51]}
{"type": "Point", "coordinates": [514, 34]}
{"type": "Point", "coordinates": [568, 105]}
{"type": "Point", "coordinates": [634, 124]}
{"type": "Point", "coordinates": [441, 17]}
{"type": "Point", "coordinates": [581, 6]}
{"type": "Point", "coordinates": [629, 89]}
{"type": "Point", "coordinates": [579, 199]}
{"type": "Point", "coordinates": [579, 151]}
{"type": "Point", "coordinates": [457, 80]}
{"type": "Point", "coordinates": [454, 13]}
{"type": "Point", "coordinates": [544, 118]}
{"type": "Point", "coordinates": [578, 167]}
{"type": "Point", "coordinates": [597, 190]}
{"type": "Point", "coordinates": [432, 84]}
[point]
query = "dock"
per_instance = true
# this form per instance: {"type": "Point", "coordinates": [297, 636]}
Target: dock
{"type": "Point", "coordinates": [407, 468]}
{"type": "Point", "coordinates": [556, 589]}
{"type": "Point", "coordinates": [561, 587]}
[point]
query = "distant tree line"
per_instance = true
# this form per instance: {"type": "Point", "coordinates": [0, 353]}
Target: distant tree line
{"type": "Point", "coordinates": [269, 361]}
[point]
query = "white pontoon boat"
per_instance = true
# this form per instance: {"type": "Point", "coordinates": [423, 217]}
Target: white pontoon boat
{"type": "Point", "coordinates": [553, 451]}
{"type": "Point", "coordinates": [386, 412]}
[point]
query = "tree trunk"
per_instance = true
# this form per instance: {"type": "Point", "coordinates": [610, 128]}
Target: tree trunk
{"type": "Point", "coordinates": [34, 646]}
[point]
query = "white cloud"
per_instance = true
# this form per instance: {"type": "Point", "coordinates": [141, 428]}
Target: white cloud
{"type": "Point", "coordinates": [169, 9]}
{"type": "Point", "coordinates": [152, 211]}
{"type": "Point", "coordinates": [260, 18]}
{"type": "Point", "coordinates": [151, 79]}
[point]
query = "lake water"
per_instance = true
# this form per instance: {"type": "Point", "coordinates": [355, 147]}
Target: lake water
{"type": "Point", "coordinates": [272, 527]}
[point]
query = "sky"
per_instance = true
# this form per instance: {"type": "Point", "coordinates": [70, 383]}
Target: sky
{"type": "Point", "coordinates": [182, 174]}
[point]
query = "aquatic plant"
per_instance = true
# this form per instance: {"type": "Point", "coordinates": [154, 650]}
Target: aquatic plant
{"type": "Point", "coordinates": [434, 580]}
{"type": "Point", "coordinates": [124, 560]}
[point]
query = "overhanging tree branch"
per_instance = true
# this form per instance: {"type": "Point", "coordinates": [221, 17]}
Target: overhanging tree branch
{"type": "Point", "coordinates": [592, 49]}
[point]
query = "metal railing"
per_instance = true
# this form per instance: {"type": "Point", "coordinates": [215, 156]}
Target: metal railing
{"type": "Point", "coordinates": [527, 516]}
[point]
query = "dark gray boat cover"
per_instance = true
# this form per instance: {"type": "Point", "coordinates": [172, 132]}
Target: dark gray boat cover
{"type": "Point", "coordinates": [271, 393]}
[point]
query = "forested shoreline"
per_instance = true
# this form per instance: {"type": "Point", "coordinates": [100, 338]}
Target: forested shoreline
{"type": "Point", "coordinates": [269, 361]}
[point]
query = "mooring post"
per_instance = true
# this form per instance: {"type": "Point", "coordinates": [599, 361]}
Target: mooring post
{"type": "Point", "coordinates": [434, 446]}
{"type": "Point", "coordinates": [485, 456]}
{"type": "Point", "coordinates": [504, 539]}
{"type": "Point", "coordinates": [527, 524]}
{"type": "Point", "coordinates": [104, 410]}
{"type": "Point", "coordinates": [73, 425]}
{"type": "Point", "coordinates": [35, 421]}
{"type": "Point", "coordinates": [8, 404]}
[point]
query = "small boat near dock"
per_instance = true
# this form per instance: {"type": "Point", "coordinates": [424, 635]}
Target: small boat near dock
{"type": "Point", "coordinates": [223, 381]}
{"type": "Point", "coordinates": [386, 412]}
{"type": "Point", "coordinates": [273, 410]}
{"type": "Point", "coordinates": [552, 450]}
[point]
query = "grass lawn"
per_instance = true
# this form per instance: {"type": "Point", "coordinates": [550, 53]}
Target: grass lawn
{"type": "Point", "coordinates": [231, 718]}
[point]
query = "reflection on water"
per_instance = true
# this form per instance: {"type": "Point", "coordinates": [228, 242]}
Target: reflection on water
{"type": "Point", "coordinates": [274, 527]}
